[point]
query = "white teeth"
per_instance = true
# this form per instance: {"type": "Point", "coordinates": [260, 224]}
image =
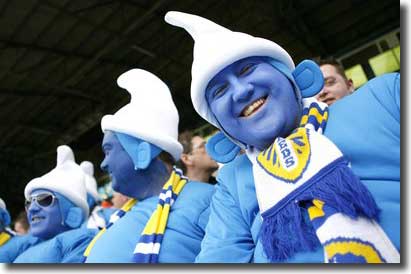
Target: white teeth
{"type": "Point", "coordinates": [255, 105]}
{"type": "Point", "coordinates": [36, 219]}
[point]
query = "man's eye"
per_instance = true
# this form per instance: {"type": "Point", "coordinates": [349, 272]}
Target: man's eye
{"type": "Point", "coordinates": [329, 82]}
{"type": "Point", "coordinates": [246, 69]}
{"type": "Point", "coordinates": [220, 90]}
{"type": "Point", "coordinates": [106, 151]}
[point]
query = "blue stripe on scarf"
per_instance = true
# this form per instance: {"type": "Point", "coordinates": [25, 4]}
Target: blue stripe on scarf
{"type": "Point", "coordinates": [152, 238]}
{"type": "Point", "coordinates": [143, 258]}
{"type": "Point", "coordinates": [350, 257]}
{"type": "Point", "coordinates": [287, 230]}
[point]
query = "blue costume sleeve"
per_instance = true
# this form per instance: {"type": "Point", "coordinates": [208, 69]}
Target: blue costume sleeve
{"type": "Point", "coordinates": [74, 243]}
{"type": "Point", "coordinates": [228, 237]}
{"type": "Point", "coordinates": [15, 246]}
{"type": "Point", "coordinates": [386, 90]}
{"type": "Point", "coordinates": [366, 128]}
{"type": "Point", "coordinates": [67, 247]}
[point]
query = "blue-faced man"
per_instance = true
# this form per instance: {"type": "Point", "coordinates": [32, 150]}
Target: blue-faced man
{"type": "Point", "coordinates": [292, 196]}
{"type": "Point", "coordinates": [165, 220]}
{"type": "Point", "coordinates": [56, 205]}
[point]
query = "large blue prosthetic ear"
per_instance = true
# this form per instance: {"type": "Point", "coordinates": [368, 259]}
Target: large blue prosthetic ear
{"type": "Point", "coordinates": [141, 152]}
{"type": "Point", "coordinates": [221, 149]}
{"type": "Point", "coordinates": [143, 157]}
{"type": "Point", "coordinates": [71, 214]}
{"type": "Point", "coordinates": [74, 217]}
{"type": "Point", "coordinates": [309, 78]}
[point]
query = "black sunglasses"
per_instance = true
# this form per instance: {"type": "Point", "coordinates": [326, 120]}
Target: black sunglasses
{"type": "Point", "coordinates": [43, 200]}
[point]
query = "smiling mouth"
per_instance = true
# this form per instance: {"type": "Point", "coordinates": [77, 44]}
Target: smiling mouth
{"type": "Point", "coordinates": [253, 107]}
{"type": "Point", "coordinates": [36, 219]}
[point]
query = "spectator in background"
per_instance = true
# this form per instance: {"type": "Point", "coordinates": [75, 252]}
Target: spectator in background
{"type": "Point", "coordinates": [99, 216]}
{"type": "Point", "coordinates": [336, 83]}
{"type": "Point", "coordinates": [21, 225]}
{"type": "Point", "coordinates": [106, 194]}
{"type": "Point", "coordinates": [195, 162]}
{"type": "Point", "coordinates": [118, 199]}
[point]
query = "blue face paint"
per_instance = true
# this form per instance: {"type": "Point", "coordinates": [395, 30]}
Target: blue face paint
{"type": "Point", "coordinates": [253, 102]}
{"type": "Point", "coordinates": [47, 221]}
{"type": "Point", "coordinates": [126, 179]}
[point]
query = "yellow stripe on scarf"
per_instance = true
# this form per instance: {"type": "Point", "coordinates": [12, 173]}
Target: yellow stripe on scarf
{"type": "Point", "coordinates": [359, 249]}
{"type": "Point", "coordinates": [126, 207]}
{"type": "Point", "coordinates": [316, 210]}
{"type": "Point", "coordinates": [315, 113]}
{"type": "Point", "coordinates": [4, 237]}
{"type": "Point", "coordinates": [158, 221]}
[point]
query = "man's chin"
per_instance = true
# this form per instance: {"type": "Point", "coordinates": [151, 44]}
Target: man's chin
{"type": "Point", "coordinates": [38, 233]}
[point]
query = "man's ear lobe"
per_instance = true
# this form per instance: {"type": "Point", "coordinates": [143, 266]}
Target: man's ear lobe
{"type": "Point", "coordinates": [185, 158]}
{"type": "Point", "coordinates": [143, 155]}
{"type": "Point", "coordinates": [309, 78]}
{"type": "Point", "coordinates": [74, 217]}
{"type": "Point", "coordinates": [350, 84]}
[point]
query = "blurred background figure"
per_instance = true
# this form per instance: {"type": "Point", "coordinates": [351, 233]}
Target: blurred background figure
{"type": "Point", "coordinates": [106, 194]}
{"type": "Point", "coordinates": [21, 225]}
{"type": "Point", "coordinates": [99, 216]}
{"type": "Point", "coordinates": [118, 199]}
{"type": "Point", "coordinates": [196, 164]}
{"type": "Point", "coordinates": [336, 83]}
{"type": "Point", "coordinates": [5, 232]}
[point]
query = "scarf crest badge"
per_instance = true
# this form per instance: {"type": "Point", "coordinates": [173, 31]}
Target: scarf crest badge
{"type": "Point", "coordinates": [287, 158]}
{"type": "Point", "coordinates": [306, 174]}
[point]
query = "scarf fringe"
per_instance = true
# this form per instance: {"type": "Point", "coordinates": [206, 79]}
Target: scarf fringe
{"type": "Point", "coordinates": [289, 230]}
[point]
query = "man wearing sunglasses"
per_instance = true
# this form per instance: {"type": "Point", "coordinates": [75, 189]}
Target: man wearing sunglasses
{"type": "Point", "coordinates": [165, 218]}
{"type": "Point", "coordinates": [56, 205]}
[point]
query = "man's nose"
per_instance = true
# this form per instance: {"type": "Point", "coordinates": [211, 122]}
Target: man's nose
{"type": "Point", "coordinates": [103, 165]}
{"type": "Point", "coordinates": [242, 90]}
{"type": "Point", "coordinates": [34, 207]}
{"type": "Point", "coordinates": [322, 93]}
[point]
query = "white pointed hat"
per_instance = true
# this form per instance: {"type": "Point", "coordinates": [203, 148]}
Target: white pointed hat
{"type": "Point", "coordinates": [151, 114]}
{"type": "Point", "coordinates": [216, 47]}
{"type": "Point", "coordinates": [2, 204]}
{"type": "Point", "coordinates": [91, 183]}
{"type": "Point", "coordinates": [67, 179]}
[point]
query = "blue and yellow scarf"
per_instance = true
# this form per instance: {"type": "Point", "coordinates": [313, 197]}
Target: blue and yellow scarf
{"type": "Point", "coordinates": [148, 247]}
{"type": "Point", "coordinates": [307, 172]}
{"type": "Point", "coordinates": [5, 236]}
